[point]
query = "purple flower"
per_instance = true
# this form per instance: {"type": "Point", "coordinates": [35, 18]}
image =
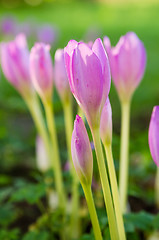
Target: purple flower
{"type": "Point", "coordinates": [89, 77]}
{"type": "Point", "coordinates": [41, 70]}
{"type": "Point", "coordinates": [15, 63]}
{"type": "Point", "coordinates": [60, 75]}
{"type": "Point", "coordinates": [127, 62]}
{"type": "Point", "coordinates": [106, 123]}
{"type": "Point", "coordinates": [8, 26]}
{"type": "Point", "coordinates": [81, 152]}
{"type": "Point", "coordinates": [154, 136]}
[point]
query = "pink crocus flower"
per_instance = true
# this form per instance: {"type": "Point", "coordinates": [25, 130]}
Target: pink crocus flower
{"type": "Point", "coordinates": [89, 77]}
{"type": "Point", "coordinates": [60, 75]}
{"type": "Point", "coordinates": [41, 70]}
{"type": "Point", "coordinates": [106, 123]}
{"type": "Point", "coordinates": [81, 152]}
{"type": "Point", "coordinates": [127, 62]}
{"type": "Point", "coordinates": [15, 64]}
{"type": "Point", "coordinates": [153, 135]}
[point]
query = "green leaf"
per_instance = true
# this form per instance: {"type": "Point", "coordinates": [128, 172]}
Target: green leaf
{"type": "Point", "coordinates": [129, 226]}
{"type": "Point", "coordinates": [43, 235]}
{"type": "Point", "coordinates": [107, 233]}
{"type": "Point", "coordinates": [30, 193]}
{"type": "Point", "coordinates": [87, 237]}
{"type": "Point", "coordinates": [9, 235]}
{"type": "Point", "coordinates": [4, 179]}
{"type": "Point", "coordinates": [7, 214]}
{"type": "Point", "coordinates": [141, 220]}
{"type": "Point", "coordinates": [5, 192]}
{"type": "Point", "coordinates": [155, 222]}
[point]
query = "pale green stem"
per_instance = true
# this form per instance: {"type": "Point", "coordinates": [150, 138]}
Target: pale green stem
{"type": "Point", "coordinates": [36, 112]}
{"type": "Point", "coordinates": [57, 168]}
{"type": "Point", "coordinates": [68, 116]}
{"type": "Point", "coordinates": [67, 106]}
{"type": "Point", "coordinates": [124, 154]}
{"type": "Point", "coordinates": [105, 185]}
{"type": "Point", "coordinates": [157, 187]}
{"type": "Point", "coordinates": [115, 192]}
{"type": "Point", "coordinates": [92, 211]}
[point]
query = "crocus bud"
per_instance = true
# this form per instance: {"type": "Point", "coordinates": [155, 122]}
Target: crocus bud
{"type": "Point", "coordinates": [42, 160]}
{"type": "Point", "coordinates": [106, 123]}
{"type": "Point", "coordinates": [154, 136]}
{"type": "Point", "coordinates": [81, 152]}
{"type": "Point", "coordinates": [15, 64]}
{"type": "Point", "coordinates": [89, 77]}
{"type": "Point", "coordinates": [127, 62]}
{"type": "Point", "coordinates": [41, 70]}
{"type": "Point", "coordinates": [60, 75]}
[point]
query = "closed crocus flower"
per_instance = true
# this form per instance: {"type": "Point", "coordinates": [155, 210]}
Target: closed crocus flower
{"type": "Point", "coordinates": [41, 70]}
{"type": "Point", "coordinates": [15, 64]}
{"type": "Point", "coordinates": [154, 136]}
{"type": "Point", "coordinates": [89, 77]}
{"type": "Point", "coordinates": [106, 123]}
{"type": "Point", "coordinates": [42, 160]}
{"type": "Point", "coordinates": [60, 76]}
{"type": "Point", "coordinates": [127, 62]}
{"type": "Point", "coordinates": [81, 152]}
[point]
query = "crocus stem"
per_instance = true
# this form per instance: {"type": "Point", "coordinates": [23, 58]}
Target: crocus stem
{"type": "Point", "coordinates": [157, 187]}
{"type": "Point", "coordinates": [90, 202]}
{"type": "Point", "coordinates": [36, 112]}
{"type": "Point", "coordinates": [105, 185]}
{"type": "Point", "coordinates": [124, 152]}
{"type": "Point", "coordinates": [115, 192]}
{"type": "Point", "coordinates": [67, 106]}
{"type": "Point", "coordinates": [57, 168]}
{"type": "Point", "coordinates": [68, 128]}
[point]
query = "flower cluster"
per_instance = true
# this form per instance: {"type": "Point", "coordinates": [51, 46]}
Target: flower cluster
{"type": "Point", "coordinates": [10, 27]}
{"type": "Point", "coordinates": [83, 69]}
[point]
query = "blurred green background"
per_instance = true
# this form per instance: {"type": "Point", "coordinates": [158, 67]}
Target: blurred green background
{"type": "Point", "coordinates": [81, 20]}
